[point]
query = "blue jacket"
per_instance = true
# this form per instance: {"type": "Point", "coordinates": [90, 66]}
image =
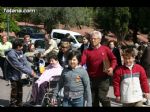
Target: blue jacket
{"type": "Point", "coordinates": [19, 61]}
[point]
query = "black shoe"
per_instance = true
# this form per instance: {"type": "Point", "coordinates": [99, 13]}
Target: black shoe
{"type": "Point", "coordinates": [32, 103]}
{"type": "Point", "coordinates": [12, 105]}
{"type": "Point", "coordinates": [4, 78]}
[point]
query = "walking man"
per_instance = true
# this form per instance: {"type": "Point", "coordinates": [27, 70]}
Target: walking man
{"type": "Point", "coordinates": [93, 57]}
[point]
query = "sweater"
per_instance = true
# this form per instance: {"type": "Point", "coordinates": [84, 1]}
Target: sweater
{"type": "Point", "coordinates": [129, 84]}
{"type": "Point", "coordinates": [75, 80]}
{"type": "Point", "coordinates": [93, 58]}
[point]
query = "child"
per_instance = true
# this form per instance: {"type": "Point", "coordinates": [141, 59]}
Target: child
{"type": "Point", "coordinates": [130, 81]}
{"type": "Point", "coordinates": [76, 83]}
{"type": "Point", "coordinates": [53, 69]}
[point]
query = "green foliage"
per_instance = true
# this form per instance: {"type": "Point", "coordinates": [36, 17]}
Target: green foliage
{"type": "Point", "coordinates": [2, 19]}
{"type": "Point", "coordinates": [73, 16]}
{"type": "Point", "coordinates": [140, 17]}
{"type": "Point", "coordinates": [115, 19]}
{"type": "Point", "coordinates": [7, 19]}
{"type": "Point", "coordinates": [144, 17]}
{"type": "Point", "coordinates": [78, 15]}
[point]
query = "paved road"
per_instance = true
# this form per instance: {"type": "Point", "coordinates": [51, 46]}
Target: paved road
{"type": "Point", "coordinates": [5, 93]}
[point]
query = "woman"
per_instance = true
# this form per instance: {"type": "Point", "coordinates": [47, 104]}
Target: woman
{"type": "Point", "coordinates": [115, 50]}
{"type": "Point", "coordinates": [31, 54]}
{"type": "Point", "coordinates": [86, 42]}
{"type": "Point", "coordinates": [40, 86]}
{"type": "Point", "coordinates": [4, 46]}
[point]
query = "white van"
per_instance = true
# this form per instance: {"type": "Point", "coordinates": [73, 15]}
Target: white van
{"type": "Point", "coordinates": [58, 34]}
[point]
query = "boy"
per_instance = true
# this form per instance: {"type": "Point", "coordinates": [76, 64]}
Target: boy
{"type": "Point", "coordinates": [130, 81]}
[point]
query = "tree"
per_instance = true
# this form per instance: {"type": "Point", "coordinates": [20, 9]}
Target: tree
{"type": "Point", "coordinates": [70, 16]}
{"type": "Point", "coordinates": [115, 19]}
{"type": "Point", "coordinates": [77, 16]}
{"type": "Point", "coordinates": [143, 19]}
{"type": "Point", "coordinates": [7, 20]}
{"type": "Point", "coordinates": [2, 20]}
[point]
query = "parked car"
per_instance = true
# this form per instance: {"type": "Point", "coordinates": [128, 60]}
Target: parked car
{"type": "Point", "coordinates": [58, 34]}
{"type": "Point", "coordinates": [32, 31]}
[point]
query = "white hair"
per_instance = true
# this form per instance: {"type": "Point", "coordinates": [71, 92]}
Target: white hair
{"type": "Point", "coordinates": [97, 33]}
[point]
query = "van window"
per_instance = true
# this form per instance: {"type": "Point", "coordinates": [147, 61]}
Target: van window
{"type": "Point", "coordinates": [73, 40]}
{"type": "Point", "coordinates": [39, 44]}
{"type": "Point", "coordinates": [61, 36]}
{"type": "Point", "coordinates": [79, 38]}
{"type": "Point", "coordinates": [58, 35]}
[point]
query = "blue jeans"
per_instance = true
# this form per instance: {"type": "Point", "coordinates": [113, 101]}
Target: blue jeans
{"type": "Point", "coordinates": [78, 102]}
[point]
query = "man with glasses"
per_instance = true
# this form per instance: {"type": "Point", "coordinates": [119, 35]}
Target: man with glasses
{"type": "Point", "coordinates": [93, 57]}
{"type": "Point", "coordinates": [65, 48]}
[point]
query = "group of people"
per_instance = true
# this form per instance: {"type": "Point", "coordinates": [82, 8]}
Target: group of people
{"type": "Point", "coordinates": [81, 72]}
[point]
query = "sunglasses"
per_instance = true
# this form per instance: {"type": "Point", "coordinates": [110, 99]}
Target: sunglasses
{"type": "Point", "coordinates": [64, 47]}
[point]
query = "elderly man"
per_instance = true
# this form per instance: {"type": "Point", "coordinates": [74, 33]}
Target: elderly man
{"type": "Point", "coordinates": [94, 57]}
{"type": "Point", "coordinates": [4, 45]}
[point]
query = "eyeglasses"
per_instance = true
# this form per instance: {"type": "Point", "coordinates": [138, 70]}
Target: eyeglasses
{"type": "Point", "coordinates": [84, 39]}
{"type": "Point", "coordinates": [94, 38]}
{"type": "Point", "coordinates": [64, 47]}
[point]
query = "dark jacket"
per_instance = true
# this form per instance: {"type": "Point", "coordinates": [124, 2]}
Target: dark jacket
{"type": "Point", "coordinates": [25, 48]}
{"type": "Point", "coordinates": [116, 52]}
{"type": "Point", "coordinates": [145, 60]}
{"type": "Point", "coordinates": [60, 58]}
{"type": "Point", "coordinates": [82, 48]}
{"type": "Point", "coordinates": [19, 61]}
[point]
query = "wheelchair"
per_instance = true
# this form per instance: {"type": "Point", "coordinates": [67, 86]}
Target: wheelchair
{"type": "Point", "coordinates": [46, 100]}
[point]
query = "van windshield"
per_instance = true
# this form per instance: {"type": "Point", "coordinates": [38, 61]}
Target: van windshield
{"type": "Point", "coordinates": [79, 38]}
{"type": "Point", "coordinates": [39, 44]}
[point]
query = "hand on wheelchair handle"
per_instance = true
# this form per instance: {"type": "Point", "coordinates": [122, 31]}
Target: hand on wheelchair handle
{"type": "Point", "coordinates": [33, 74]}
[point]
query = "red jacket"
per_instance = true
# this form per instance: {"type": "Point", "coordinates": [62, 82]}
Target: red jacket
{"type": "Point", "coordinates": [126, 81]}
{"type": "Point", "coordinates": [93, 59]}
